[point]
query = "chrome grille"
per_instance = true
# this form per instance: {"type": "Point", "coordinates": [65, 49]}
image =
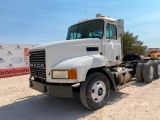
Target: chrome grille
{"type": "Point", "coordinates": [38, 64]}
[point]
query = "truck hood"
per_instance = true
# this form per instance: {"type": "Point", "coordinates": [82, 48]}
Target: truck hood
{"type": "Point", "coordinates": [59, 51]}
{"type": "Point", "coordinates": [65, 43]}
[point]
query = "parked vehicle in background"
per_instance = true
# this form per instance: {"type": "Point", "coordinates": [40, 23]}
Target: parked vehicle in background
{"type": "Point", "coordinates": [154, 54]}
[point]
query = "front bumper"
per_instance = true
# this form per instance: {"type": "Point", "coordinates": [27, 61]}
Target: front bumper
{"type": "Point", "coordinates": [52, 89]}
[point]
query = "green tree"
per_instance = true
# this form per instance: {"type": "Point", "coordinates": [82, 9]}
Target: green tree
{"type": "Point", "coordinates": [131, 44]}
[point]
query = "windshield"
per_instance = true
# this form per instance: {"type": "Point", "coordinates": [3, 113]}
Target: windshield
{"type": "Point", "coordinates": [89, 29]}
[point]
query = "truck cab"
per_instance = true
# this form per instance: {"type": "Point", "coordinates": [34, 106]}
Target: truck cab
{"type": "Point", "coordinates": [90, 44]}
{"type": "Point", "coordinates": [107, 30]}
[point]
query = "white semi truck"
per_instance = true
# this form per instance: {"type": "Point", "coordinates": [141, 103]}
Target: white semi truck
{"type": "Point", "coordinates": [89, 63]}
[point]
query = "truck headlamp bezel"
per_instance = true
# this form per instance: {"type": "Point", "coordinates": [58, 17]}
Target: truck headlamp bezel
{"type": "Point", "coordinates": [64, 74]}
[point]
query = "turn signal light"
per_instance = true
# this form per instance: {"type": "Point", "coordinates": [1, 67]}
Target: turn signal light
{"type": "Point", "coordinates": [72, 74]}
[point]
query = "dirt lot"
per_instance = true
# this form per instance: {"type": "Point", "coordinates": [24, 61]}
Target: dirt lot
{"type": "Point", "coordinates": [138, 101]}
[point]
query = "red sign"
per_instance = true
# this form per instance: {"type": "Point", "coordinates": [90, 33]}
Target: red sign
{"type": "Point", "coordinates": [13, 71]}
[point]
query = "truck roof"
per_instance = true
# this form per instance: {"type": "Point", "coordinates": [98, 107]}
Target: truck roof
{"type": "Point", "coordinates": [97, 18]}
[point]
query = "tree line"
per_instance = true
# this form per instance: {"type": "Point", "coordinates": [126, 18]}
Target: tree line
{"type": "Point", "coordinates": [131, 44]}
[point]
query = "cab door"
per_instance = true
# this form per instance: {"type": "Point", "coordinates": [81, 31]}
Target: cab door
{"type": "Point", "coordinates": [112, 44]}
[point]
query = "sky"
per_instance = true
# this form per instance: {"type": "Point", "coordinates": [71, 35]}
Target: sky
{"type": "Point", "coordinates": [41, 21]}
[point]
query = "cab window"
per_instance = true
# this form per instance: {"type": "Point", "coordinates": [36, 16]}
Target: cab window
{"type": "Point", "coordinates": [88, 29]}
{"type": "Point", "coordinates": [111, 31]}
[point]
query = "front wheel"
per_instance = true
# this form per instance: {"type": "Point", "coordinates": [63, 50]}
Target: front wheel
{"type": "Point", "coordinates": [95, 91]}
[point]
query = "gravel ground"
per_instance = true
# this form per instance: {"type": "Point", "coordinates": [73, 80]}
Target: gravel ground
{"type": "Point", "coordinates": [137, 101]}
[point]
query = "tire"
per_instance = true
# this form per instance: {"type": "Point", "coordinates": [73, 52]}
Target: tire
{"type": "Point", "coordinates": [148, 72]}
{"type": "Point", "coordinates": [156, 67]}
{"type": "Point", "coordinates": [95, 83]}
{"type": "Point", "coordinates": [159, 68]}
{"type": "Point", "coordinates": [139, 72]}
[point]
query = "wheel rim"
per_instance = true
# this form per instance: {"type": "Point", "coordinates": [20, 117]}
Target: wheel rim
{"type": "Point", "coordinates": [151, 72]}
{"type": "Point", "coordinates": [159, 69]}
{"type": "Point", "coordinates": [98, 91]}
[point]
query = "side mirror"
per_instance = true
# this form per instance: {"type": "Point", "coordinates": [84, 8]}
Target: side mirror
{"type": "Point", "coordinates": [120, 27]}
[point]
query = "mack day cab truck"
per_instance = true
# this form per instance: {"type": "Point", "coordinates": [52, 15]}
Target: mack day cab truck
{"type": "Point", "coordinates": [89, 63]}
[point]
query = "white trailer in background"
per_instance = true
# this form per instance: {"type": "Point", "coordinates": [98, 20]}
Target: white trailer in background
{"type": "Point", "coordinates": [14, 59]}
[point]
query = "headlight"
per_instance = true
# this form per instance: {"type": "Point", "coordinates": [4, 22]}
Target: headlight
{"type": "Point", "coordinates": [64, 74]}
{"type": "Point", "coordinates": [60, 74]}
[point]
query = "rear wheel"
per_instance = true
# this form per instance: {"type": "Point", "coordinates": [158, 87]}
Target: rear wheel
{"type": "Point", "coordinates": [156, 66]}
{"type": "Point", "coordinates": [139, 72]}
{"type": "Point", "coordinates": [159, 69]}
{"type": "Point", "coordinates": [95, 91]}
{"type": "Point", "coordinates": [148, 72]}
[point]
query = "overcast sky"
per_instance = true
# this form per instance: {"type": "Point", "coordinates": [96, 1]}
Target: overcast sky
{"type": "Point", "coordinates": [40, 21]}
